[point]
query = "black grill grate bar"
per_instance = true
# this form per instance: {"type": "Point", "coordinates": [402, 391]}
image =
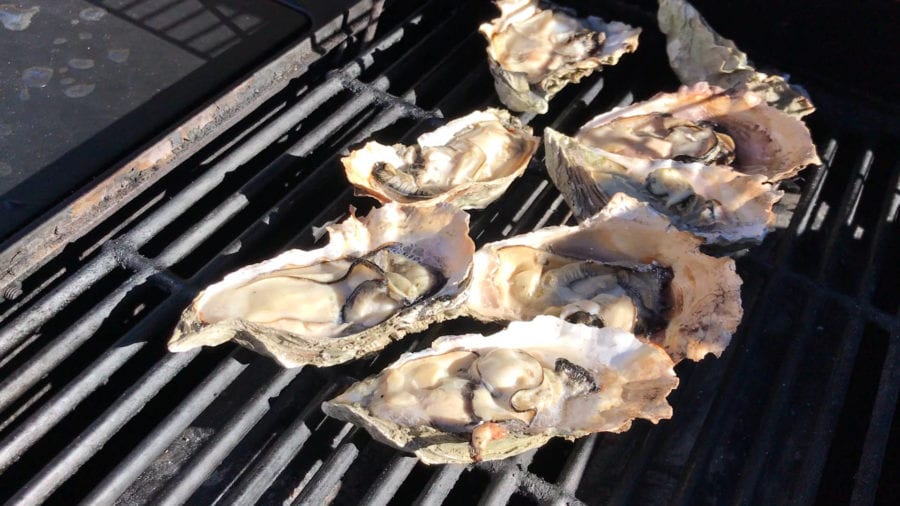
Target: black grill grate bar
{"type": "Point", "coordinates": [439, 485]}
{"type": "Point", "coordinates": [390, 480]}
{"type": "Point", "coordinates": [735, 361]}
{"type": "Point", "coordinates": [573, 469]}
{"type": "Point", "coordinates": [844, 212]}
{"type": "Point", "coordinates": [21, 328]}
{"type": "Point", "coordinates": [504, 479]}
{"type": "Point", "coordinates": [880, 237]}
{"type": "Point", "coordinates": [327, 477]}
{"type": "Point", "coordinates": [808, 482]}
{"type": "Point", "coordinates": [876, 442]}
{"type": "Point", "coordinates": [128, 257]}
{"type": "Point", "coordinates": [802, 217]}
{"type": "Point", "coordinates": [544, 491]}
{"type": "Point", "coordinates": [156, 442]}
{"type": "Point", "coordinates": [787, 374]}
{"type": "Point", "coordinates": [65, 464]}
{"type": "Point", "coordinates": [214, 451]}
{"type": "Point", "coordinates": [61, 404]}
{"type": "Point", "coordinates": [54, 352]}
{"type": "Point", "coordinates": [783, 386]}
{"type": "Point", "coordinates": [377, 90]}
{"type": "Point", "coordinates": [253, 484]}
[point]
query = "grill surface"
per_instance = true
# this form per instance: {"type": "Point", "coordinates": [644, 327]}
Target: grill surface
{"type": "Point", "coordinates": [799, 409]}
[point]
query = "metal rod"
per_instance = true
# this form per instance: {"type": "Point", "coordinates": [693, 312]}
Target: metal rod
{"type": "Point", "coordinates": [64, 465]}
{"type": "Point", "coordinates": [254, 482]}
{"type": "Point", "coordinates": [118, 480]}
{"type": "Point", "coordinates": [203, 464]}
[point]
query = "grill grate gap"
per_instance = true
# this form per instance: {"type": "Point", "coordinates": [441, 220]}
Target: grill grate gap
{"type": "Point", "coordinates": [843, 458]}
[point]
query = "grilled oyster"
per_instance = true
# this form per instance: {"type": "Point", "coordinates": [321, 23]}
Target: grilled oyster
{"type": "Point", "coordinates": [473, 397]}
{"type": "Point", "coordinates": [533, 53]}
{"type": "Point", "coordinates": [468, 162]}
{"type": "Point", "coordinates": [714, 202]}
{"type": "Point", "coordinates": [392, 272]}
{"type": "Point", "coordinates": [706, 124]}
{"type": "Point", "coordinates": [697, 53]}
{"type": "Point", "coordinates": [625, 267]}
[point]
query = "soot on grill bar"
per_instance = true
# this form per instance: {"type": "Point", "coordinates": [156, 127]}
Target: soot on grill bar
{"type": "Point", "coordinates": [521, 251]}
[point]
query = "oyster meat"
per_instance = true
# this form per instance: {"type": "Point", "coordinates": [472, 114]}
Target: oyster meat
{"type": "Point", "coordinates": [469, 162]}
{"type": "Point", "coordinates": [473, 397]}
{"type": "Point", "coordinates": [625, 267]}
{"type": "Point", "coordinates": [533, 53]}
{"type": "Point", "coordinates": [709, 125]}
{"type": "Point", "coordinates": [697, 53]}
{"type": "Point", "coordinates": [392, 272]}
{"type": "Point", "coordinates": [714, 202]}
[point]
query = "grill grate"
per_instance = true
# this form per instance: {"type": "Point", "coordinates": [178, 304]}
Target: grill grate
{"type": "Point", "coordinates": [94, 408]}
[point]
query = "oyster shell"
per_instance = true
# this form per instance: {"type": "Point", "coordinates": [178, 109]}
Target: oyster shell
{"type": "Point", "coordinates": [468, 162]}
{"type": "Point", "coordinates": [533, 53]}
{"type": "Point", "coordinates": [714, 202]}
{"type": "Point", "coordinates": [706, 124]}
{"type": "Point", "coordinates": [627, 267]}
{"type": "Point", "coordinates": [697, 53]}
{"type": "Point", "coordinates": [473, 397]}
{"type": "Point", "coordinates": [392, 272]}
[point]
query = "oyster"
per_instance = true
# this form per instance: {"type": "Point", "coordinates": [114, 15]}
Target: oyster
{"type": "Point", "coordinates": [625, 267]}
{"type": "Point", "coordinates": [468, 162]}
{"type": "Point", "coordinates": [533, 53]}
{"type": "Point", "coordinates": [706, 124]}
{"type": "Point", "coordinates": [697, 53]}
{"type": "Point", "coordinates": [473, 397]}
{"type": "Point", "coordinates": [714, 202]}
{"type": "Point", "coordinates": [392, 272]}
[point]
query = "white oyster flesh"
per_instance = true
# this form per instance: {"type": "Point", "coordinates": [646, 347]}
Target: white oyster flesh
{"type": "Point", "coordinates": [625, 267]}
{"type": "Point", "coordinates": [533, 53]}
{"type": "Point", "coordinates": [714, 202]}
{"type": "Point", "coordinates": [473, 397]}
{"type": "Point", "coordinates": [697, 53]}
{"type": "Point", "coordinates": [469, 162]}
{"type": "Point", "coordinates": [392, 272]}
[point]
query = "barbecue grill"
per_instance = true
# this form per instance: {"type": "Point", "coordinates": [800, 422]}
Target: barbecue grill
{"type": "Point", "coordinates": [799, 409]}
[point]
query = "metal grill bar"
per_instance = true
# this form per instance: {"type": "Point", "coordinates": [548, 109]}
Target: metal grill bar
{"type": "Point", "coordinates": [327, 477]}
{"type": "Point", "coordinates": [191, 477]}
{"type": "Point", "coordinates": [787, 375]}
{"type": "Point", "coordinates": [389, 481]}
{"type": "Point", "coordinates": [157, 441]}
{"type": "Point", "coordinates": [65, 464]}
{"type": "Point", "coordinates": [808, 482]}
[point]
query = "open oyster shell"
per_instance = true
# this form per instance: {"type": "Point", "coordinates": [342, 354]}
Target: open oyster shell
{"type": "Point", "coordinates": [625, 267]}
{"type": "Point", "coordinates": [714, 202]}
{"type": "Point", "coordinates": [392, 272]}
{"type": "Point", "coordinates": [473, 397]}
{"type": "Point", "coordinates": [697, 53]}
{"type": "Point", "coordinates": [533, 53]}
{"type": "Point", "coordinates": [469, 162]}
{"type": "Point", "coordinates": [709, 125]}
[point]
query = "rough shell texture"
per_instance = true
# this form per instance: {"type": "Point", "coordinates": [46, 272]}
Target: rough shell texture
{"type": "Point", "coordinates": [437, 236]}
{"type": "Point", "coordinates": [697, 53]}
{"type": "Point", "coordinates": [631, 380]}
{"type": "Point", "coordinates": [740, 206]}
{"type": "Point", "coordinates": [533, 53]}
{"type": "Point", "coordinates": [469, 162]}
{"type": "Point", "coordinates": [705, 291]}
{"type": "Point", "coordinates": [767, 141]}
